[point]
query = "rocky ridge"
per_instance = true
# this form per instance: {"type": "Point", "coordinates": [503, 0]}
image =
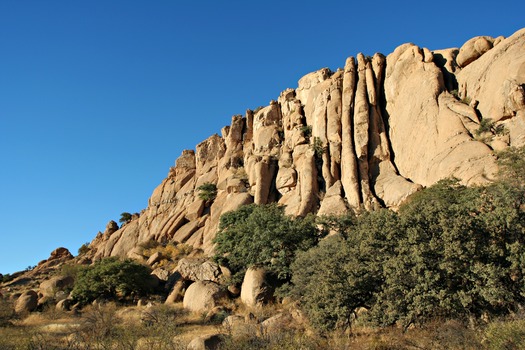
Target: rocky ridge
{"type": "Point", "coordinates": [365, 136]}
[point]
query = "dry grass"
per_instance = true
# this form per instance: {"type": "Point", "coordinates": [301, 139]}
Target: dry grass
{"type": "Point", "coordinates": [170, 327]}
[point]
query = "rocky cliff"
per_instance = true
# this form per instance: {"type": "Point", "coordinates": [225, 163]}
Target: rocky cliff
{"type": "Point", "coordinates": [365, 136]}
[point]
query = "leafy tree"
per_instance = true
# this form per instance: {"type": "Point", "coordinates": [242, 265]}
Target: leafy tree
{"type": "Point", "coordinates": [110, 278]}
{"type": "Point", "coordinates": [450, 252]}
{"type": "Point", "coordinates": [84, 248]}
{"type": "Point", "coordinates": [207, 191]}
{"type": "Point", "coordinates": [340, 275]}
{"type": "Point", "coordinates": [451, 257]}
{"type": "Point", "coordinates": [125, 217]}
{"type": "Point", "coordinates": [262, 235]}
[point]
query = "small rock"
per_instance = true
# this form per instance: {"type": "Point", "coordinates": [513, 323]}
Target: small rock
{"type": "Point", "coordinates": [155, 258]}
{"type": "Point", "coordinates": [63, 305]}
{"type": "Point", "coordinates": [206, 342]}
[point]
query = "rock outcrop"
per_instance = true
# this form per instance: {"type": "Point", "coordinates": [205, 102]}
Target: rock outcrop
{"type": "Point", "coordinates": [365, 136]}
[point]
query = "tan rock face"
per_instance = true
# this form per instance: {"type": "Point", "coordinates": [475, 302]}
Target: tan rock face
{"type": "Point", "coordinates": [27, 302]}
{"type": "Point", "coordinates": [255, 289]}
{"type": "Point", "coordinates": [203, 296]}
{"type": "Point", "coordinates": [367, 135]}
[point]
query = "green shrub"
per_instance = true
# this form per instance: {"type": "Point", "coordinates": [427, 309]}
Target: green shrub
{"type": "Point", "coordinates": [451, 252]}
{"type": "Point", "coordinates": [306, 130]}
{"type": "Point", "coordinates": [111, 278]}
{"type": "Point", "coordinates": [207, 191]}
{"type": "Point", "coordinates": [84, 248]}
{"type": "Point", "coordinates": [124, 218]}
{"type": "Point", "coordinates": [317, 147]}
{"type": "Point", "coordinates": [340, 275]}
{"type": "Point", "coordinates": [262, 235]}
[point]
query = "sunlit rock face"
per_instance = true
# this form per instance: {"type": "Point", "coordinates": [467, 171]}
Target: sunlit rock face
{"type": "Point", "coordinates": [365, 136]}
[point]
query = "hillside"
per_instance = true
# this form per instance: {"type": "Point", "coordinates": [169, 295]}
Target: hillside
{"type": "Point", "coordinates": [444, 269]}
{"type": "Point", "coordinates": [365, 136]}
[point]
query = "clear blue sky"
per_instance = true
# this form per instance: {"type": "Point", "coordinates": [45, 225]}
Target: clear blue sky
{"type": "Point", "coordinates": [98, 98]}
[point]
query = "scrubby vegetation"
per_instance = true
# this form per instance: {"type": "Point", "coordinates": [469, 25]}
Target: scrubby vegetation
{"type": "Point", "coordinates": [445, 271]}
{"type": "Point", "coordinates": [111, 278]}
{"type": "Point", "coordinates": [451, 252]}
{"type": "Point", "coordinates": [207, 191]}
{"type": "Point", "coordinates": [125, 217]}
{"type": "Point", "coordinates": [263, 236]}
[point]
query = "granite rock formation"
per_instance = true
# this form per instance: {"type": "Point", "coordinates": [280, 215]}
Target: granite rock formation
{"type": "Point", "coordinates": [365, 136]}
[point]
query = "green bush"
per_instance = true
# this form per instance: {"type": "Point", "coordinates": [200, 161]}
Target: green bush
{"type": "Point", "coordinates": [451, 252]}
{"type": "Point", "coordinates": [84, 248]}
{"type": "Point", "coordinates": [317, 147]}
{"type": "Point", "coordinates": [124, 218]}
{"type": "Point", "coordinates": [207, 191]}
{"type": "Point", "coordinates": [262, 235]}
{"type": "Point", "coordinates": [111, 278]}
{"type": "Point", "coordinates": [340, 275]}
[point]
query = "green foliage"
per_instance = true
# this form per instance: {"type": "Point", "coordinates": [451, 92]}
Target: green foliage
{"type": "Point", "coordinates": [111, 278]}
{"type": "Point", "coordinates": [207, 191]}
{"type": "Point", "coordinates": [450, 252]}
{"type": "Point", "coordinates": [262, 235]}
{"type": "Point", "coordinates": [6, 278]}
{"type": "Point", "coordinates": [317, 147]}
{"type": "Point", "coordinates": [486, 125]}
{"type": "Point", "coordinates": [306, 130]}
{"type": "Point", "coordinates": [125, 217]}
{"type": "Point", "coordinates": [84, 248]}
{"type": "Point", "coordinates": [340, 275]}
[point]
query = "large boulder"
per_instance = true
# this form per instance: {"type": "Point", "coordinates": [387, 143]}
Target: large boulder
{"type": "Point", "coordinates": [50, 287]}
{"type": "Point", "coordinates": [198, 270]}
{"type": "Point", "coordinates": [203, 296]}
{"type": "Point", "coordinates": [255, 289]}
{"type": "Point", "coordinates": [27, 302]}
{"type": "Point", "coordinates": [473, 49]}
{"type": "Point", "coordinates": [497, 81]}
{"type": "Point", "coordinates": [177, 292]}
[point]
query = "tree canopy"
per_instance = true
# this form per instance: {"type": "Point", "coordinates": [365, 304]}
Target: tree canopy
{"type": "Point", "coordinates": [262, 235]}
{"type": "Point", "coordinates": [111, 278]}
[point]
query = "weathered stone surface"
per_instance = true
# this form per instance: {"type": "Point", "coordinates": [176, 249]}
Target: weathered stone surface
{"type": "Point", "coordinates": [198, 270]}
{"type": "Point", "coordinates": [473, 49]}
{"type": "Point", "coordinates": [63, 305]}
{"type": "Point", "coordinates": [368, 135]}
{"type": "Point", "coordinates": [27, 302]}
{"type": "Point", "coordinates": [207, 342]}
{"type": "Point", "coordinates": [497, 80]}
{"type": "Point", "coordinates": [429, 140]}
{"type": "Point", "coordinates": [177, 292]}
{"type": "Point", "coordinates": [276, 322]}
{"type": "Point", "coordinates": [255, 289]}
{"type": "Point", "coordinates": [203, 296]}
{"type": "Point", "coordinates": [161, 273]}
{"type": "Point", "coordinates": [111, 228]}
{"type": "Point", "coordinates": [154, 258]}
{"type": "Point", "coordinates": [55, 284]}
